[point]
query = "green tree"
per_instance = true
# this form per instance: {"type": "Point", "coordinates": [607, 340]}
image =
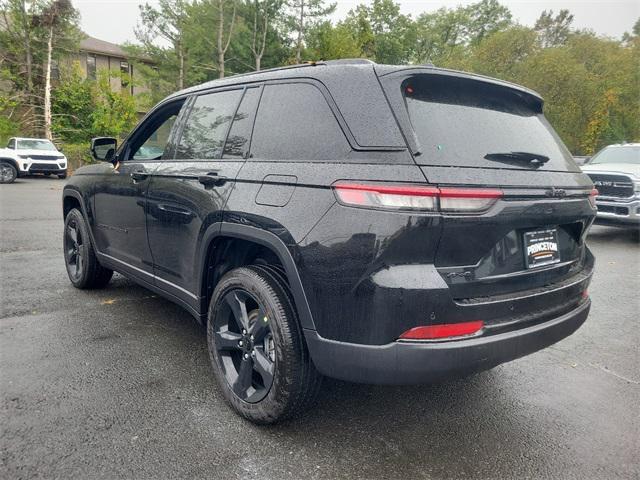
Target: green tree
{"type": "Point", "coordinates": [114, 112]}
{"type": "Point", "coordinates": [503, 53]}
{"type": "Point", "coordinates": [441, 36]}
{"type": "Point", "coordinates": [326, 42]}
{"type": "Point", "coordinates": [264, 12]}
{"type": "Point", "coordinates": [485, 18]}
{"type": "Point", "coordinates": [33, 36]}
{"type": "Point", "coordinates": [57, 18]}
{"type": "Point", "coordinates": [304, 15]}
{"type": "Point", "coordinates": [553, 31]}
{"type": "Point", "coordinates": [73, 106]}
{"type": "Point", "coordinates": [169, 22]}
{"type": "Point", "coordinates": [385, 34]}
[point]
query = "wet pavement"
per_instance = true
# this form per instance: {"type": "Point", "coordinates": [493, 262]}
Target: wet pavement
{"type": "Point", "coordinates": [116, 383]}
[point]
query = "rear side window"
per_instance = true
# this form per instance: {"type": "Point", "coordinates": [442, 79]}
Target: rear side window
{"type": "Point", "coordinates": [206, 127]}
{"type": "Point", "coordinates": [239, 136]}
{"type": "Point", "coordinates": [12, 143]}
{"type": "Point", "coordinates": [294, 122]}
{"type": "Point", "coordinates": [462, 122]}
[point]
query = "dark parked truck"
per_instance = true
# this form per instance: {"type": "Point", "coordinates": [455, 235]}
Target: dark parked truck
{"type": "Point", "coordinates": [371, 223]}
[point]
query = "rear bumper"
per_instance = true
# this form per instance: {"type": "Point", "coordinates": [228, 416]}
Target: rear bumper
{"type": "Point", "coordinates": [612, 212]}
{"type": "Point", "coordinates": [401, 363]}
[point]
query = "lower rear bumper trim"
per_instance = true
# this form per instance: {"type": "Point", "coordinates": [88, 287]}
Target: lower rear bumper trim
{"type": "Point", "coordinates": [402, 363]}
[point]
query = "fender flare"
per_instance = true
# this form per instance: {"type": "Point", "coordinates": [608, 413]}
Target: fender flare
{"type": "Point", "coordinates": [274, 243]}
{"type": "Point", "coordinates": [13, 162]}
{"type": "Point", "coordinates": [68, 192]}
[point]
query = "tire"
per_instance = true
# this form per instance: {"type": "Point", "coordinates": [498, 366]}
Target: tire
{"type": "Point", "coordinates": [8, 172]}
{"type": "Point", "coordinates": [83, 268]}
{"type": "Point", "coordinates": [271, 376]}
{"type": "Point", "coordinates": [62, 176]}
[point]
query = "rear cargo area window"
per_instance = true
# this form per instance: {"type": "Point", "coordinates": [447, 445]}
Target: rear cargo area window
{"type": "Point", "coordinates": [471, 123]}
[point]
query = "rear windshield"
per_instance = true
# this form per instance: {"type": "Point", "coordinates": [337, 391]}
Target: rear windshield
{"type": "Point", "coordinates": [617, 155]}
{"type": "Point", "coordinates": [462, 122]}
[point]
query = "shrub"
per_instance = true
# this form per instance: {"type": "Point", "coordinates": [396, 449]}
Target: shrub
{"type": "Point", "coordinates": [77, 155]}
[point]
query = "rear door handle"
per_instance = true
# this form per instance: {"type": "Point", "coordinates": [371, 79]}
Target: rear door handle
{"type": "Point", "coordinates": [212, 179]}
{"type": "Point", "coordinates": [175, 210]}
{"type": "Point", "coordinates": [138, 176]}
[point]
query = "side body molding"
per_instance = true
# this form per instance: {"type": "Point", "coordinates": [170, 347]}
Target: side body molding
{"type": "Point", "coordinates": [269, 240]}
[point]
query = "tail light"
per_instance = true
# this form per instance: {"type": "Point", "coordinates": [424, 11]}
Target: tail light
{"type": "Point", "coordinates": [416, 197]}
{"type": "Point", "coordinates": [592, 197]}
{"type": "Point", "coordinates": [444, 331]}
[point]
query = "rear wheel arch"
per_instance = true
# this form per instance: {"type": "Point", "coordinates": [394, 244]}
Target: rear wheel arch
{"type": "Point", "coordinates": [70, 202]}
{"type": "Point", "coordinates": [73, 199]}
{"type": "Point", "coordinates": [227, 246]}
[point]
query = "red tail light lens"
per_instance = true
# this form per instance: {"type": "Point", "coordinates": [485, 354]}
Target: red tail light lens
{"type": "Point", "coordinates": [446, 330]}
{"type": "Point", "coordinates": [416, 197]}
{"type": "Point", "coordinates": [387, 196]}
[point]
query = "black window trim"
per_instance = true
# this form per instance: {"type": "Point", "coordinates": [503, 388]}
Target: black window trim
{"type": "Point", "coordinates": [325, 92]}
{"type": "Point", "coordinates": [253, 113]}
{"type": "Point", "coordinates": [125, 147]}
{"type": "Point", "coordinates": [189, 107]}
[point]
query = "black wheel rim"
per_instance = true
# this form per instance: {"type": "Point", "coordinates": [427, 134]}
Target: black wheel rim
{"type": "Point", "coordinates": [6, 173]}
{"type": "Point", "coordinates": [73, 251]}
{"type": "Point", "coordinates": [244, 345]}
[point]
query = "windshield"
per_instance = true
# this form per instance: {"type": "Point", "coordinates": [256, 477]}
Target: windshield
{"type": "Point", "coordinates": [617, 155]}
{"type": "Point", "coordinates": [36, 145]}
{"type": "Point", "coordinates": [462, 122]}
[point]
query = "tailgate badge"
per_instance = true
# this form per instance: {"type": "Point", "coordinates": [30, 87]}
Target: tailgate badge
{"type": "Point", "coordinates": [554, 192]}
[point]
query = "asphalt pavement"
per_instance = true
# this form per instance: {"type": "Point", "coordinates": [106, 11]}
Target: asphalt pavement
{"type": "Point", "coordinates": [116, 383]}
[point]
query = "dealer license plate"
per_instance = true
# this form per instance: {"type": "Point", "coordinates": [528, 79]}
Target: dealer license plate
{"type": "Point", "coordinates": [541, 247]}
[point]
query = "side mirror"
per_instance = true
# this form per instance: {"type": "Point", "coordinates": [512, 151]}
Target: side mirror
{"type": "Point", "coordinates": [103, 149]}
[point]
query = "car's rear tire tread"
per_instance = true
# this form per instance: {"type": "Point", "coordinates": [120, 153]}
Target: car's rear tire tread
{"type": "Point", "coordinates": [313, 379]}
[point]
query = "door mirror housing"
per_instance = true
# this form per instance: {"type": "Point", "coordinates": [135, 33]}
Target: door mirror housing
{"type": "Point", "coordinates": [103, 149]}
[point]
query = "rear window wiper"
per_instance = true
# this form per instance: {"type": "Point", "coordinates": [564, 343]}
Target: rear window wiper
{"type": "Point", "coordinates": [535, 159]}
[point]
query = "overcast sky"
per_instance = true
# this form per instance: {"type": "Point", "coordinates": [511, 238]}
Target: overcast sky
{"type": "Point", "coordinates": [114, 20]}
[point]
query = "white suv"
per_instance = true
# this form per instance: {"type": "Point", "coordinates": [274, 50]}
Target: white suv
{"type": "Point", "coordinates": [24, 156]}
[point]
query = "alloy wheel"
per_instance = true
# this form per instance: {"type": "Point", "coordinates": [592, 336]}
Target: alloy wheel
{"type": "Point", "coordinates": [6, 173]}
{"type": "Point", "coordinates": [244, 345]}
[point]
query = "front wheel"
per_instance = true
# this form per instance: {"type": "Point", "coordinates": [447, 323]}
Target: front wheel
{"type": "Point", "coordinates": [257, 350]}
{"type": "Point", "coordinates": [8, 172]}
{"type": "Point", "coordinates": [83, 267]}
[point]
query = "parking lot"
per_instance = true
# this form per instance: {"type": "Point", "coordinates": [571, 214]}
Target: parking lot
{"type": "Point", "coordinates": [116, 383]}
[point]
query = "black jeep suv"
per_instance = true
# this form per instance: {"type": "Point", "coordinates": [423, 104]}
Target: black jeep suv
{"type": "Point", "coordinates": [371, 223]}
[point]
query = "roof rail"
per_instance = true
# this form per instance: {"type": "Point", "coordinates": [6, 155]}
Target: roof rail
{"type": "Point", "coordinates": [350, 61]}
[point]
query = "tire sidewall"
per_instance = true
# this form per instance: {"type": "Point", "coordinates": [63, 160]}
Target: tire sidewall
{"type": "Point", "coordinates": [275, 403]}
{"type": "Point", "coordinates": [75, 215]}
{"type": "Point", "coordinates": [13, 169]}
